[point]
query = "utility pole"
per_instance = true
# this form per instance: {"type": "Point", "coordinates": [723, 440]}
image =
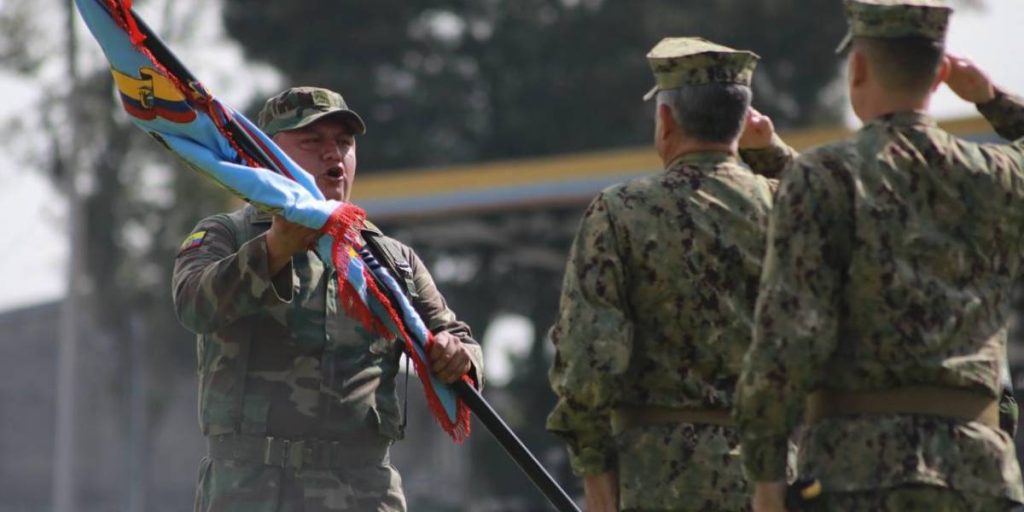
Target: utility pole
{"type": "Point", "coordinates": [64, 482]}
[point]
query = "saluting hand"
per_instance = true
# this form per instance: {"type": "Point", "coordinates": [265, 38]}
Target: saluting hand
{"type": "Point", "coordinates": [758, 131]}
{"type": "Point", "coordinates": [449, 359]}
{"type": "Point", "coordinates": [968, 81]}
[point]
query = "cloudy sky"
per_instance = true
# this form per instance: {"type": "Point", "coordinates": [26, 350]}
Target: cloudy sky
{"type": "Point", "coordinates": [33, 259]}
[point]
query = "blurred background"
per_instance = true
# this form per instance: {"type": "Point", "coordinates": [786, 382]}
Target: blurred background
{"type": "Point", "coordinates": [491, 124]}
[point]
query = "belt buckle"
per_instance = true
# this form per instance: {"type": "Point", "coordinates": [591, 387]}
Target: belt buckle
{"type": "Point", "coordinates": [292, 453]}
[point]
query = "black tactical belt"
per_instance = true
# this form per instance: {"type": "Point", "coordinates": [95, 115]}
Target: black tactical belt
{"type": "Point", "coordinates": [624, 418]}
{"type": "Point", "coordinates": [298, 453]}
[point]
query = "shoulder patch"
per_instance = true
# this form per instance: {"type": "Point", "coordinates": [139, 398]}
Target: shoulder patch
{"type": "Point", "coordinates": [192, 241]}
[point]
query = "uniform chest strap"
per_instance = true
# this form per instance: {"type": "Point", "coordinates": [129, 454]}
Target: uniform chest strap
{"type": "Point", "coordinates": [913, 400]}
{"type": "Point", "coordinates": [624, 418]}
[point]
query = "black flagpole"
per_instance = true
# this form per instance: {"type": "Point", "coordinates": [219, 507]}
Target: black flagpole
{"type": "Point", "coordinates": [514, 447]}
{"type": "Point", "coordinates": [473, 399]}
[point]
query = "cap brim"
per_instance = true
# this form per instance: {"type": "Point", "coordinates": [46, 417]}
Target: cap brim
{"type": "Point", "coordinates": [844, 45]}
{"type": "Point", "coordinates": [650, 94]}
{"type": "Point", "coordinates": [350, 118]}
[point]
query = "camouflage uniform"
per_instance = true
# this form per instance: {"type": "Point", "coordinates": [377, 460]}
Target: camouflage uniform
{"type": "Point", "coordinates": [656, 312]}
{"type": "Point", "coordinates": [890, 262]}
{"type": "Point", "coordinates": [283, 371]}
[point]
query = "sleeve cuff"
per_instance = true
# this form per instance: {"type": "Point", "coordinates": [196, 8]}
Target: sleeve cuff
{"type": "Point", "coordinates": [1005, 113]}
{"type": "Point", "coordinates": [591, 461]}
{"type": "Point", "coordinates": [589, 437]}
{"type": "Point", "coordinates": [476, 356]}
{"type": "Point", "coordinates": [765, 460]}
{"type": "Point", "coordinates": [768, 161]}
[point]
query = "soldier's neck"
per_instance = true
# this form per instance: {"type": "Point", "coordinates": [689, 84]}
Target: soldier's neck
{"type": "Point", "coordinates": [882, 105]}
{"type": "Point", "coordinates": [685, 146]}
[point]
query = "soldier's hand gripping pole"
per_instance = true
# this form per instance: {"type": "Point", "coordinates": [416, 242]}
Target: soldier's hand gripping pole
{"type": "Point", "coordinates": [476, 403]}
{"type": "Point", "coordinates": [514, 447]}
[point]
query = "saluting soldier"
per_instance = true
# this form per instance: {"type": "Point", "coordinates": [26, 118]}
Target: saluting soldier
{"type": "Point", "coordinates": [883, 309]}
{"type": "Point", "coordinates": [658, 299]}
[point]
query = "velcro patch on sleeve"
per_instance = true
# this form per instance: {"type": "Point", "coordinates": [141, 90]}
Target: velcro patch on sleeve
{"type": "Point", "coordinates": [192, 241]}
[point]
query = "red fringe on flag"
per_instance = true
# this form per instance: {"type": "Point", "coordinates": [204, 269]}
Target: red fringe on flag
{"type": "Point", "coordinates": [344, 224]}
{"type": "Point", "coordinates": [459, 429]}
{"type": "Point", "coordinates": [121, 13]}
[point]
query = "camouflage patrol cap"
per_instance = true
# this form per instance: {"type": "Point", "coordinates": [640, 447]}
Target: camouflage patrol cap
{"type": "Point", "coordinates": [679, 61]}
{"type": "Point", "coordinates": [895, 18]}
{"type": "Point", "coordinates": [299, 106]}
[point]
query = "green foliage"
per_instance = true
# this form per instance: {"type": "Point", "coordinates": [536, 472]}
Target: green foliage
{"type": "Point", "coordinates": [455, 80]}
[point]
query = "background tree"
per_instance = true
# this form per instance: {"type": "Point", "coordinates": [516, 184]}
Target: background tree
{"type": "Point", "coordinates": [456, 80]}
{"type": "Point", "coordinates": [137, 204]}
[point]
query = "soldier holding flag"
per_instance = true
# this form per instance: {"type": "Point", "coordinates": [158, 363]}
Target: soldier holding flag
{"type": "Point", "coordinates": [297, 401]}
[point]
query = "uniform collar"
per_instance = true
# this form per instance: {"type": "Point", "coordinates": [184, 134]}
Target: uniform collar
{"type": "Point", "coordinates": [369, 227]}
{"type": "Point", "coordinates": [702, 157]}
{"type": "Point", "coordinates": [255, 216]}
{"type": "Point", "coordinates": [912, 118]}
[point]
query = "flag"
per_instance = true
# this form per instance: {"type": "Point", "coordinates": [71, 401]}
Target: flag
{"type": "Point", "coordinates": [211, 138]}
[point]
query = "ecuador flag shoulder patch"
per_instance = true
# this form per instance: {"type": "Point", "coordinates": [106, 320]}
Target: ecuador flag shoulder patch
{"type": "Point", "coordinates": [192, 241]}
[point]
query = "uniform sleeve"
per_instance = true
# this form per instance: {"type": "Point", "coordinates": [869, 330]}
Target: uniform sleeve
{"type": "Point", "coordinates": [434, 310]}
{"type": "Point", "coordinates": [796, 313]}
{"type": "Point", "coordinates": [593, 338]}
{"type": "Point", "coordinates": [1005, 113]}
{"type": "Point", "coordinates": [769, 161]}
{"type": "Point", "coordinates": [214, 284]}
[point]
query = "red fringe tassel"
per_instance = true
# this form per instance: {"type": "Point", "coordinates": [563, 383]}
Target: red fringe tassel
{"type": "Point", "coordinates": [344, 224]}
{"type": "Point", "coordinates": [459, 429]}
{"type": "Point", "coordinates": [120, 11]}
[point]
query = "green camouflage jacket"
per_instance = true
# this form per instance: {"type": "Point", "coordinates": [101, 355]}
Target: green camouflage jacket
{"type": "Point", "coordinates": [656, 310]}
{"type": "Point", "coordinates": [281, 357]}
{"type": "Point", "coordinates": [890, 263]}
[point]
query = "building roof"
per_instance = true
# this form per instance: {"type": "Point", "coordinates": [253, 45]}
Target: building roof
{"type": "Point", "coordinates": [548, 181]}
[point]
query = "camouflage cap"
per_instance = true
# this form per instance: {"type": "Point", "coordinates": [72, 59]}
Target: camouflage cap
{"type": "Point", "coordinates": [679, 61]}
{"type": "Point", "coordinates": [299, 106]}
{"type": "Point", "coordinates": [895, 18]}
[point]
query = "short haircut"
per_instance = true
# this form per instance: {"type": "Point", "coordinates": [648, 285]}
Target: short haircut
{"type": "Point", "coordinates": [709, 112]}
{"type": "Point", "coordinates": [904, 64]}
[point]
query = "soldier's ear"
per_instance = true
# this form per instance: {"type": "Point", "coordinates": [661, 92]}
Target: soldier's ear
{"type": "Point", "coordinates": [666, 125]}
{"type": "Point", "coordinates": [943, 74]}
{"type": "Point", "coordinates": [857, 68]}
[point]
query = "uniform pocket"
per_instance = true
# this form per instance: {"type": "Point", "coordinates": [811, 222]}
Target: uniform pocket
{"type": "Point", "coordinates": [228, 485]}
